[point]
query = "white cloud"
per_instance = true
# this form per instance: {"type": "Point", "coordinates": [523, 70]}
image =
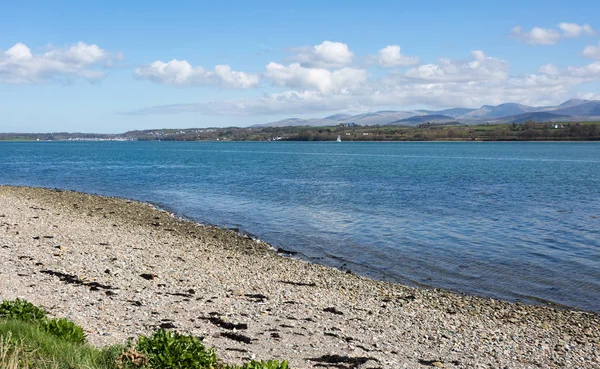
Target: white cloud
{"type": "Point", "coordinates": [327, 54]}
{"type": "Point", "coordinates": [19, 52]}
{"type": "Point", "coordinates": [390, 56]}
{"type": "Point", "coordinates": [572, 75]}
{"type": "Point", "coordinates": [592, 51]}
{"type": "Point", "coordinates": [288, 102]}
{"type": "Point", "coordinates": [236, 79]}
{"type": "Point", "coordinates": [480, 68]}
{"type": "Point", "coordinates": [546, 36]}
{"type": "Point", "coordinates": [181, 73]}
{"type": "Point", "coordinates": [480, 80]}
{"type": "Point", "coordinates": [589, 96]}
{"type": "Point", "coordinates": [537, 36]}
{"type": "Point", "coordinates": [80, 53]}
{"type": "Point", "coordinates": [549, 69]}
{"type": "Point", "coordinates": [390, 92]}
{"type": "Point", "coordinates": [19, 65]}
{"type": "Point", "coordinates": [573, 30]}
{"type": "Point", "coordinates": [563, 80]}
{"type": "Point", "coordinates": [320, 79]}
{"type": "Point", "coordinates": [587, 73]}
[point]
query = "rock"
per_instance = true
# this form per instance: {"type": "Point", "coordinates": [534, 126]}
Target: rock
{"type": "Point", "coordinates": [167, 325]}
{"type": "Point", "coordinates": [333, 311]}
{"type": "Point", "coordinates": [545, 325]}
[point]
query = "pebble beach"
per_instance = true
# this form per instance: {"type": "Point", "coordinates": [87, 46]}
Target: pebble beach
{"type": "Point", "coordinates": [122, 268]}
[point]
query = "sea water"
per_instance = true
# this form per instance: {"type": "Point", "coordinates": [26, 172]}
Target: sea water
{"type": "Point", "coordinates": [516, 221]}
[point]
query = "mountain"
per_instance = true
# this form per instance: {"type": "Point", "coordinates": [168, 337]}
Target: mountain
{"type": "Point", "coordinates": [502, 110]}
{"type": "Point", "coordinates": [433, 118]}
{"type": "Point", "coordinates": [368, 119]}
{"type": "Point", "coordinates": [341, 117]}
{"type": "Point", "coordinates": [297, 122]}
{"type": "Point", "coordinates": [542, 116]}
{"type": "Point", "coordinates": [383, 117]}
{"type": "Point", "coordinates": [572, 102]}
{"type": "Point", "coordinates": [453, 112]}
{"type": "Point", "coordinates": [586, 109]}
{"type": "Point", "coordinates": [571, 110]}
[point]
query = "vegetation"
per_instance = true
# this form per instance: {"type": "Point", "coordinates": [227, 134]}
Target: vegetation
{"type": "Point", "coordinates": [30, 340]}
{"type": "Point", "coordinates": [528, 131]}
{"type": "Point", "coordinates": [21, 310]}
{"type": "Point", "coordinates": [25, 311]}
{"type": "Point", "coordinates": [171, 350]}
{"type": "Point", "coordinates": [25, 345]}
{"type": "Point", "coordinates": [65, 330]}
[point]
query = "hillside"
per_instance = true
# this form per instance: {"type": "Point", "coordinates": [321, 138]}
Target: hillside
{"type": "Point", "coordinates": [572, 110]}
{"type": "Point", "coordinates": [434, 118]}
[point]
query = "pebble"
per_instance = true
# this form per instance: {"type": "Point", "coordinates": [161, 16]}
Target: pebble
{"type": "Point", "coordinates": [198, 270]}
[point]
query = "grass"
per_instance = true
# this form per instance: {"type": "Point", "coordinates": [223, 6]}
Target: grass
{"type": "Point", "coordinates": [26, 345]}
{"type": "Point", "coordinates": [28, 339]}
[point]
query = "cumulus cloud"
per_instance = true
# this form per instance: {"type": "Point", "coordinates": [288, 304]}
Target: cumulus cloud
{"type": "Point", "coordinates": [320, 79]}
{"type": "Point", "coordinates": [288, 102]}
{"type": "Point", "coordinates": [390, 56]}
{"type": "Point", "coordinates": [572, 30]}
{"type": "Point", "coordinates": [592, 51]}
{"type": "Point", "coordinates": [181, 73]}
{"type": "Point", "coordinates": [480, 68]}
{"type": "Point", "coordinates": [572, 75]}
{"type": "Point", "coordinates": [19, 65]}
{"type": "Point", "coordinates": [393, 91]}
{"type": "Point", "coordinates": [549, 69]}
{"type": "Point", "coordinates": [537, 36]}
{"type": "Point", "coordinates": [479, 80]}
{"type": "Point", "coordinates": [587, 73]}
{"type": "Point", "coordinates": [327, 54]}
{"type": "Point", "coordinates": [546, 36]}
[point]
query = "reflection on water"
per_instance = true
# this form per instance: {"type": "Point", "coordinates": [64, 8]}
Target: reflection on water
{"type": "Point", "coordinates": [509, 220]}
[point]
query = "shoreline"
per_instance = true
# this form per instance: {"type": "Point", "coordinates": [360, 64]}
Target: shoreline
{"type": "Point", "coordinates": [201, 279]}
{"type": "Point", "coordinates": [315, 141]}
{"type": "Point", "coordinates": [290, 253]}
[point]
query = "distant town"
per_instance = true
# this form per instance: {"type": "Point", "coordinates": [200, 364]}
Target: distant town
{"type": "Point", "coordinates": [574, 119]}
{"type": "Point", "coordinates": [449, 131]}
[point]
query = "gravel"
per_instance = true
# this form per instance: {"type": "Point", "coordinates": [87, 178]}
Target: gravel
{"type": "Point", "coordinates": [122, 268]}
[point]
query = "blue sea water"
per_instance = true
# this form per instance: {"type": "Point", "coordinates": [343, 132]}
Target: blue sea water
{"type": "Point", "coordinates": [517, 221]}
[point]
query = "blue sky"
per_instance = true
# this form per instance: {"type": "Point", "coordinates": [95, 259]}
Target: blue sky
{"type": "Point", "coordinates": [116, 66]}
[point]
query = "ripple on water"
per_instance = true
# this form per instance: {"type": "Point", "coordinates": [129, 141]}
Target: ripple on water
{"type": "Point", "coordinates": [508, 220]}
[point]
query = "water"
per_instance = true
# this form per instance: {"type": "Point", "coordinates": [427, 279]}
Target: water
{"type": "Point", "coordinates": [518, 221]}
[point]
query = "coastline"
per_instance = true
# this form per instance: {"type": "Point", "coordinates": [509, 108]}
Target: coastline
{"type": "Point", "coordinates": [121, 268]}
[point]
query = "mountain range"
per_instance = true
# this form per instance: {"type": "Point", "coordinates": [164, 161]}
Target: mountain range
{"type": "Point", "coordinates": [572, 110]}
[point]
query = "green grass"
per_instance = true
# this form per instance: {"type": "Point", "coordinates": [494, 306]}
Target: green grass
{"type": "Point", "coordinates": [27, 345]}
{"type": "Point", "coordinates": [28, 339]}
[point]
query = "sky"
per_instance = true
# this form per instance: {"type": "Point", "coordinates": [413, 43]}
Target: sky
{"type": "Point", "coordinates": [114, 66]}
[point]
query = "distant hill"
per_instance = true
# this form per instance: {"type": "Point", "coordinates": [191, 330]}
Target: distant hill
{"type": "Point", "coordinates": [542, 116]}
{"type": "Point", "coordinates": [454, 112]}
{"type": "Point", "coordinates": [572, 110]}
{"type": "Point", "coordinates": [572, 102]}
{"type": "Point", "coordinates": [434, 118]}
{"type": "Point", "coordinates": [586, 109]}
{"type": "Point", "coordinates": [296, 122]}
{"type": "Point", "coordinates": [338, 117]}
{"type": "Point", "coordinates": [502, 110]}
{"type": "Point", "coordinates": [382, 117]}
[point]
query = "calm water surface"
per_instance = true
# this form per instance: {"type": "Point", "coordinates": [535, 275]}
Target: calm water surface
{"type": "Point", "coordinates": [519, 221]}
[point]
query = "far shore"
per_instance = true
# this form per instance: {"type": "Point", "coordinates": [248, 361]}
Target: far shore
{"type": "Point", "coordinates": [347, 132]}
{"type": "Point", "coordinates": [121, 268]}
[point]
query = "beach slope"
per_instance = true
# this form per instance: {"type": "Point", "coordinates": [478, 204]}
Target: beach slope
{"type": "Point", "coordinates": [122, 268]}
